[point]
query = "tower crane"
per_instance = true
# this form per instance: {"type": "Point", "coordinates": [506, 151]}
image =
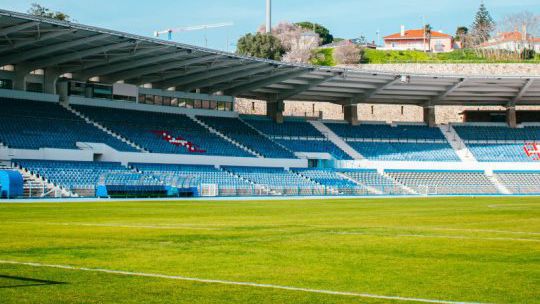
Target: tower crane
{"type": "Point", "coordinates": [169, 32]}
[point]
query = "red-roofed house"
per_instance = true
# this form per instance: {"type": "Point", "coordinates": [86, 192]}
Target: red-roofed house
{"type": "Point", "coordinates": [512, 41]}
{"type": "Point", "coordinates": [418, 40]}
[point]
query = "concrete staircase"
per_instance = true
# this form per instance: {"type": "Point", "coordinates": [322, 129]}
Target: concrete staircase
{"type": "Point", "coordinates": [232, 141]}
{"type": "Point", "coordinates": [404, 187]}
{"type": "Point", "coordinates": [368, 188]}
{"type": "Point", "coordinates": [37, 187]}
{"type": "Point", "coordinates": [457, 144]}
{"type": "Point", "coordinates": [331, 190]}
{"type": "Point", "coordinates": [497, 183]}
{"type": "Point", "coordinates": [264, 190]}
{"type": "Point", "coordinates": [338, 141]}
{"type": "Point", "coordinates": [268, 137]}
{"type": "Point", "coordinates": [104, 129]}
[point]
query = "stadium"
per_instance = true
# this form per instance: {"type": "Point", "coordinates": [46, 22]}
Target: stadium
{"type": "Point", "coordinates": [127, 175]}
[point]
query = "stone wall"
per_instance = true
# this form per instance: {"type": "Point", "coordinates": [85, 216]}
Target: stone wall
{"type": "Point", "coordinates": [491, 69]}
{"type": "Point", "coordinates": [398, 113]}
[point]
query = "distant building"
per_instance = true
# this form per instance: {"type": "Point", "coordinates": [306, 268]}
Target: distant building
{"type": "Point", "coordinates": [356, 41]}
{"type": "Point", "coordinates": [512, 41]}
{"type": "Point", "coordinates": [418, 40]}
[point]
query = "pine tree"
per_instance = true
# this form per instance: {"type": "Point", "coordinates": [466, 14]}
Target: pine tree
{"type": "Point", "coordinates": [483, 24]}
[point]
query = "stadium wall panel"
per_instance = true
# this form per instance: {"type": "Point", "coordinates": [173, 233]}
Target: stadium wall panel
{"type": "Point", "coordinates": [117, 104]}
{"type": "Point", "coordinates": [29, 95]}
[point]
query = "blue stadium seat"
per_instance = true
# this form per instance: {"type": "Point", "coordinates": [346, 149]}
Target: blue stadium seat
{"type": "Point", "coordinates": [278, 180]}
{"type": "Point", "coordinates": [28, 124]}
{"type": "Point", "coordinates": [163, 132]}
{"type": "Point", "coordinates": [236, 129]}
{"type": "Point", "coordinates": [297, 136]}
{"type": "Point", "coordinates": [499, 152]}
{"type": "Point", "coordinates": [498, 143]}
{"type": "Point", "coordinates": [471, 133]}
{"type": "Point", "coordinates": [386, 131]}
{"type": "Point", "coordinates": [396, 143]}
{"type": "Point", "coordinates": [197, 175]}
{"type": "Point", "coordinates": [77, 176]}
{"type": "Point", "coordinates": [405, 151]}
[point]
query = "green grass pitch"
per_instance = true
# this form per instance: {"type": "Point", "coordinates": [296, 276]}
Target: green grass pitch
{"type": "Point", "coordinates": [473, 250]}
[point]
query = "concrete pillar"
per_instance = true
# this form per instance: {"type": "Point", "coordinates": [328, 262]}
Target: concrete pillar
{"type": "Point", "coordinates": [511, 118]}
{"type": "Point", "coordinates": [62, 90]}
{"type": "Point", "coordinates": [19, 83]}
{"type": "Point", "coordinates": [275, 109]}
{"type": "Point", "coordinates": [350, 113]}
{"type": "Point", "coordinates": [49, 80]}
{"type": "Point", "coordinates": [429, 116]}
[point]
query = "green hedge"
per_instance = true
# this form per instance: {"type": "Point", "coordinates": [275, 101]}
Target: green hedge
{"type": "Point", "coordinates": [323, 57]}
{"type": "Point", "coordinates": [457, 56]}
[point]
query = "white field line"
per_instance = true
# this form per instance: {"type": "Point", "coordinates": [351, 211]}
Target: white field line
{"type": "Point", "coordinates": [459, 237]}
{"type": "Point", "coordinates": [487, 230]}
{"type": "Point", "coordinates": [512, 205]}
{"type": "Point", "coordinates": [435, 228]}
{"type": "Point", "coordinates": [223, 282]}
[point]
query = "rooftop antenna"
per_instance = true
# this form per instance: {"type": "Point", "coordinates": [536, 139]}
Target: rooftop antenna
{"type": "Point", "coordinates": [268, 16]}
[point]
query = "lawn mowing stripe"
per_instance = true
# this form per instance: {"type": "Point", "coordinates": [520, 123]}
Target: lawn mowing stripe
{"type": "Point", "coordinates": [223, 282]}
{"type": "Point", "coordinates": [125, 226]}
{"type": "Point", "coordinates": [458, 237]}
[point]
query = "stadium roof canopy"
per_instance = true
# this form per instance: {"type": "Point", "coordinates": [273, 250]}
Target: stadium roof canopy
{"type": "Point", "coordinates": [31, 43]}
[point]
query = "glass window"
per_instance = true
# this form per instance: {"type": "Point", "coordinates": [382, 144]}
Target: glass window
{"type": "Point", "coordinates": [189, 103]}
{"type": "Point", "coordinates": [205, 104]}
{"type": "Point", "coordinates": [213, 105]}
{"type": "Point", "coordinates": [166, 101]}
{"type": "Point", "coordinates": [158, 100]}
{"type": "Point", "coordinates": [141, 97]}
{"type": "Point", "coordinates": [228, 106]}
{"type": "Point", "coordinates": [221, 106]}
{"type": "Point", "coordinates": [197, 104]}
{"type": "Point", "coordinates": [183, 103]}
{"type": "Point", "coordinates": [34, 87]}
{"type": "Point", "coordinates": [149, 99]}
{"type": "Point", "coordinates": [6, 84]}
{"type": "Point", "coordinates": [174, 102]}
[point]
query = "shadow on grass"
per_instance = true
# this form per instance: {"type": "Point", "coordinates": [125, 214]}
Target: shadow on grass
{"type": "Point", "coordinates": [30, 281]}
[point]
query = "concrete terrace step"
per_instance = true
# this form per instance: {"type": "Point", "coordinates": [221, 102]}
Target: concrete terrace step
{"type": "Point", "coordinates": [457, 144]}
{"type": "Point", "coordinates": [105, 129]}
{"type": "Point", "coordinates": [234, 142]}
{"type": "Point", "coordinates": [338, 141]}
{"type": "Point", "coordinates": [268, 137]}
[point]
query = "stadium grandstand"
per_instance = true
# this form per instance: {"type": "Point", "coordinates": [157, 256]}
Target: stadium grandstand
{"type": "Point", "coordinates": [92, 112]}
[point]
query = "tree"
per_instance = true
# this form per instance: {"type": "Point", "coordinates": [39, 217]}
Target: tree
{"type": "Point", "coordinates": [483, 25]}
{"type": "Point", "coordinates": [297, 43]}
{"type": "Point", "coordinates": [302, 49]}
{"type": "Point", "coordinates": [347, 54]}
{"type": "Point", "coordinates": [427, 34]}
{"type": "Point", "coordinates": [523, 21]}
{"type": "Point", "coordinates": [461, 35]}
{"type": "Point", "coordinates": [260, 45]}
{"type": "Point", "coordinates": [323, 32]}
{"type": "Point", "coordinates": [41, 11]}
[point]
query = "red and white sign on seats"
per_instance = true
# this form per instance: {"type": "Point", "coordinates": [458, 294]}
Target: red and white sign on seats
{"type": "Point", "coordinates": [178, 141]}
{"type": "Point", "coordinates": [532, 149]}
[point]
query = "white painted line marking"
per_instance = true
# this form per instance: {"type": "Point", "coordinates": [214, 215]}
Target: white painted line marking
{"type": "Point", "coordinates": [250, 284]}
{"type": "Point", "coordinates": [431, 228]}
{"type": "Point", "coordinates": [487, 230]}
{"type": "Point", "coordinates": [459, 237]}
{"type": "Point", "coordinates": [512, 205]}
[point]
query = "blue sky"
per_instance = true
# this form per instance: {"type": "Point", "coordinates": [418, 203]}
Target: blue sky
{"type": "Point", "coordinates": [344, 18]}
